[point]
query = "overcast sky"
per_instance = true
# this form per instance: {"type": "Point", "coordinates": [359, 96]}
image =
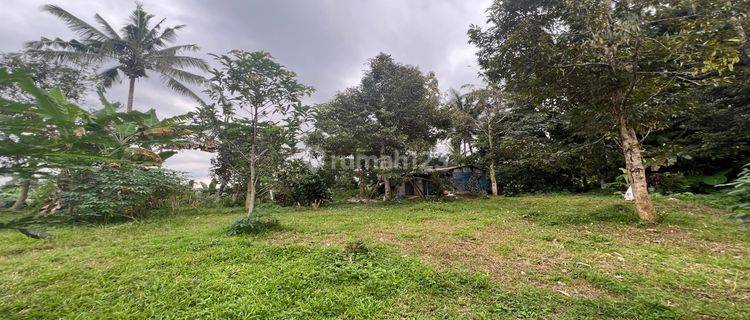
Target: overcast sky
{"type": "Point", "coordinates": [327, 42]}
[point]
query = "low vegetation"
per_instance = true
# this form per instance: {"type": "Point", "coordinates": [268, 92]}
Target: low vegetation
{"type": "Point", "coordinates": [530, 257]}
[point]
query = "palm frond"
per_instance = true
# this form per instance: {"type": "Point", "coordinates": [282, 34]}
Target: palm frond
{"type": "Point", "coordinates": [181, 88]}
{"type": "Point", "coordinates": [107, 27]}
{"type": "Point", "coordinates": [179, 62]}
{"type": "Point", "coordinates": [170, 34]}
{"type": "Point", "coordinates": [109, 76]}
{"type": "Point", "coordinates": [68, 56]}
{"type": "Point", "coordinates": [90, 47]}
{"type": "Point", "coordinates": [56, 43]}
{"type": "Point", "coordinates": [170, 51]}
{"type": "Point", "coordinates": [150, 36]}
{"type": "Point", "coordinates": [79, 26]}
{"type": "Point", "coordinates": [181, 75]}
{"type": "Point", "coordinates": [137, 29]}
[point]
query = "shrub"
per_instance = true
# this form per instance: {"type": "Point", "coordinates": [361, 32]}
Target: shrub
{"type": "Point", "coordinates": [107, 193]}
{"type": "Point", "coordinates": [254, 225]}
{"type": "Point", "coordinates": [441, 184]}
{"type": "Point", "coordinates": [742, 190]}
{"type": "Point", "coordinates": [356, 247]}
{"type": "Point", "coordinates": [298, 184]}
{"type": "Point", "coordinates": [668, 183]}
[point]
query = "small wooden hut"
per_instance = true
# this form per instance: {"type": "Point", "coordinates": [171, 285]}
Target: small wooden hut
{"type": "Point", "coordinates": [460, 180]}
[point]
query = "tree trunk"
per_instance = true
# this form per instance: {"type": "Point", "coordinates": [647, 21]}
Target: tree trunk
{"type": "Point", "coordinates": [222, 186]}
{"type": "Point", "coordinates": [250, 197]}
{"type": "Point", "coordinates": [21, 201]}
{"type": "Point", "coordinates": [631, 148]}
{"type": "Point", "coordinates": [493, 179]}
{"type": "Point", "coordinates": [387, 186]}
{"type": "Point", "coordinates": [384, 176]}
{"type": "Point", "coordinates": [131, 90]}
{"type": "Point", "coordinates": [362, 190]}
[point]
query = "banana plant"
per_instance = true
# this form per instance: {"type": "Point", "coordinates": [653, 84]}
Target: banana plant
{"type": "Point", "coordinates": [53, 134]}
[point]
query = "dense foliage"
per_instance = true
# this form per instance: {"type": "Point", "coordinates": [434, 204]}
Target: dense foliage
{"type": "Point", "coordinates": [394, 110]}
{"type": "Point", "coordinates": [116, 192]}
{"type": "Point", "coordinates": [253, 225]}
{"type": "Point", "coordinates": [73, 80]}
{"type": "Point", "coordinates": [619, 70]}
{"type": "Point", "coordinates": [53, 139]}
{"type": "Point", "coordinates": [298, 184]}
{"type": "Point", "coordinates": [742, 190]}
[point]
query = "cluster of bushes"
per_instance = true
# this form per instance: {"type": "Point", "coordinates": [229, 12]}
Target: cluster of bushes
{"type": "Point", "coordinates": [298, 184]}
{"type": "Point", "coordinates": [742, 190]}
{"type": "Point", "coordinates": [110, 193]}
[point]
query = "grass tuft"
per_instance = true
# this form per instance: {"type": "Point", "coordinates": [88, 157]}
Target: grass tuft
{"type": "Point", "coordinates": [254, 225]}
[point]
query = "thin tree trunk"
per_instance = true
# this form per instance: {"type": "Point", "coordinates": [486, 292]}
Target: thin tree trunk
{"type": "Point", "coordinates": [131, 90]}
{"type": "Point", "coordinates": [384, 176]}
{"type": "Point", "coordinates": [222, 186]}
{"type": "Point", "coordinates": [21, 201]}
{"type": "Point", "coordinates": [250, 198]}
{"type": "Point", "coordinates": [493, 179]}
{"type": "Point", "coordinates": [387, 186]}
{"type": "Point", "coordinates": [631, 148]}
{"type": "Point", "coordinates": [362, 190]}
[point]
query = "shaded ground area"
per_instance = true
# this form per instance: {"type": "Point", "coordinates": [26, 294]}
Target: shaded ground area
{"type": "Point", "coordinates": [551, 256]}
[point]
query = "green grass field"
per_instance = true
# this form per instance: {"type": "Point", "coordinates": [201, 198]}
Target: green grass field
{"type": "Point", "coordinates": [532, 257]}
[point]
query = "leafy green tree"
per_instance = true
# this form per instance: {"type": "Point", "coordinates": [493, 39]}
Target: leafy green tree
{"type": "Point", "coordinates": [277, 141]}
{"type": "Point", "coordinates": [341, 131]}
{"type": "Point", "coordinates": [395, 109]}
{"type": "Point", "coordinates": [137, 49]}
{"type": "Point", "coordinates": [253, 89]}
{"type": "Point", "coordinates": [300, 184]}
{"type": "Point", "coordinates": [621, 65]}
{"type": "Point", "coordinates": [491, 108]}
{"type": "Point", "coordinates": [73, 80]}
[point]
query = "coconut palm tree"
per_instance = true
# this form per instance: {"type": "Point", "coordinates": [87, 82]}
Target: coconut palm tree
{"type": "Point", "coordinates": [463, 112]}
{"type": "Point", "coordinates": [138, 48]}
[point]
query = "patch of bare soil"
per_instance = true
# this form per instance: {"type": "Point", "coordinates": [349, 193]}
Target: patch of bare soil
{"type": "Point", "coordinates": [527, 261]}
{"type": "Point", "coordinates": [530, 261]}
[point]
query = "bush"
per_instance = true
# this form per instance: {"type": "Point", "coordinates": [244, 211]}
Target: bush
{"type": "Point", "coordinates": [669, 182]}
{"type": "Point", "coordinates": [356, 247]}
{"type": "Point", "coordinates": [118, 192]}
{"type": "Point", "coordinates": [742, 191]}
{"type": "Point", "coordinates": [298, 184]}
{"type": "Point", "coordinates": [7, 198]}
{"type": "Point", "coordinates": [441, 184]}
{"type": "Point", "coordinates": [253, 225]}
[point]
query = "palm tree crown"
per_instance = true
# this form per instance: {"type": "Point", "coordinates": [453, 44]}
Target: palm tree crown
{"type": "Point", "coordinates": [138, 48]}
